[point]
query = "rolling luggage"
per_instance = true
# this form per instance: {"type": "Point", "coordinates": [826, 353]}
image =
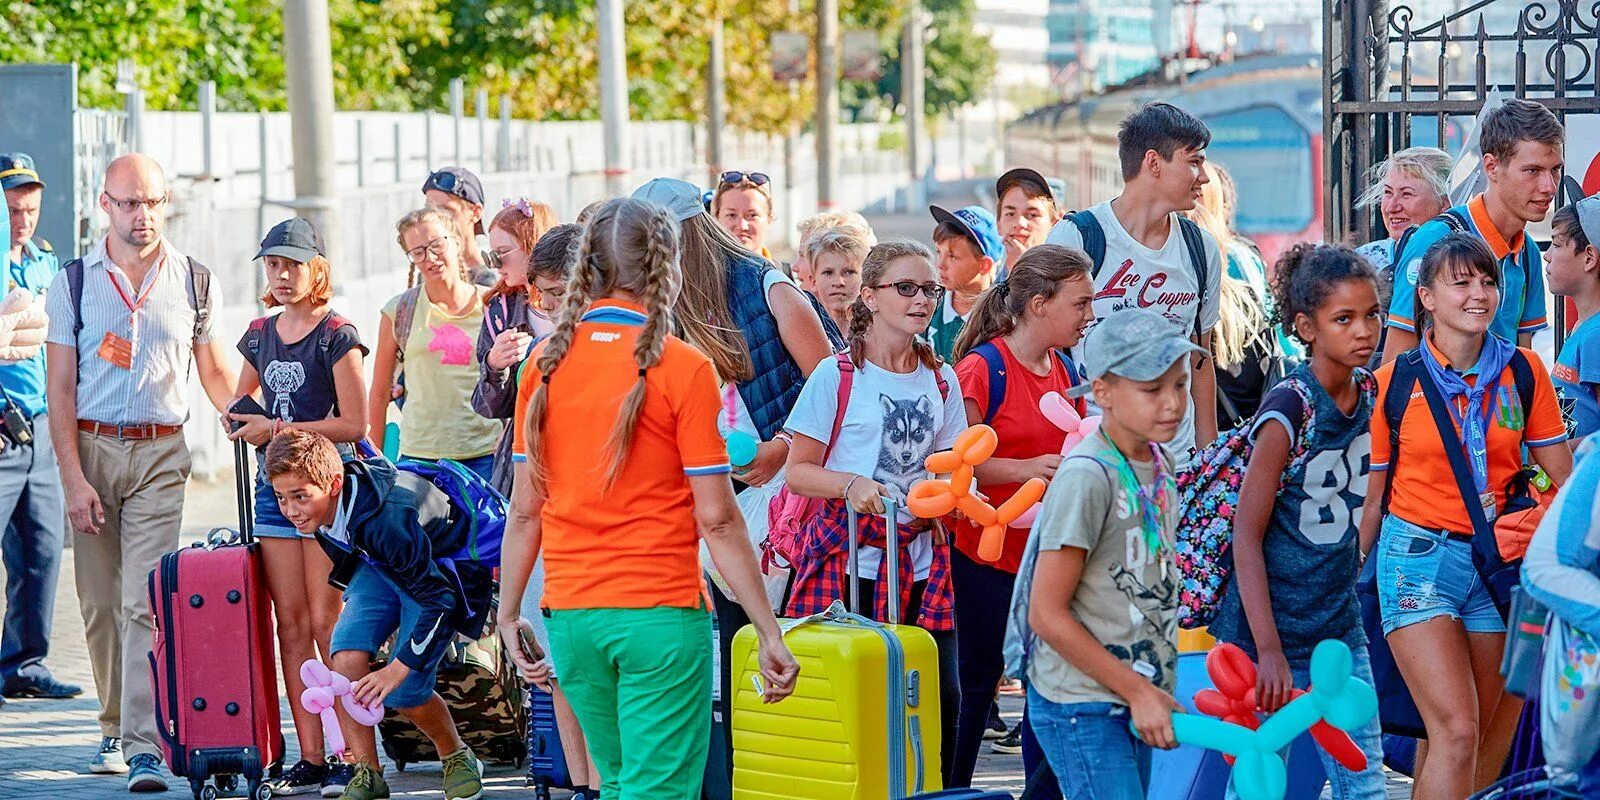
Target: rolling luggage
{"type": "Point", "coordinates": [547, 759]}
{"type": "Point", "coordinates": [485, 695]}
{"type": "Point", "coordinates": [863, 722]}
{"type": "Point", "coordinates": [212, 661]}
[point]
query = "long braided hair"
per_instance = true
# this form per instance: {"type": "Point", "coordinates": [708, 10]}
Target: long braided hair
{"type": "Point", "coordinates": [630, 246]}
{"type": "Point", "coordinates": [879, 259]}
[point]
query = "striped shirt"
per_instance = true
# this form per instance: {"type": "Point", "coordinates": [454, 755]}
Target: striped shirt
{"type": "Point", "coordinates": [155, 390]}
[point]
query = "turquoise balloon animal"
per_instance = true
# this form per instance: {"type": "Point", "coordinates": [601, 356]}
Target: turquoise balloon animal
{"type": "Point", "coordinates": [741, 448]}
{"type": "Point", "coordinates": [1335, 695]}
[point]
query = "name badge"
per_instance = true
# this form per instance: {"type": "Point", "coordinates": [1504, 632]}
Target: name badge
{"type": "Point", "coordinates": [1487, 501]}
{"type": "Point", "coordinates": [116, 351]}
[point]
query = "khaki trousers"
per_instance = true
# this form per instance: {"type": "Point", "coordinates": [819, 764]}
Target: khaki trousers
{"type": "Point", "coordinates": [141, 485]}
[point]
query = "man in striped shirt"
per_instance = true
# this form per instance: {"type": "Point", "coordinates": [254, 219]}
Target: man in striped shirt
{"type": "Point", "coordinates": [119, 360]}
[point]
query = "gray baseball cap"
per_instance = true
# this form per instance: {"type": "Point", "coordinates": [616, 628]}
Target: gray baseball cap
{"type": "Point", "coordinates": [1136, 343]}
{"type": "Point", "coordinates": [1589, 218]}
{"type": "Point", "coordinates": [681, 199]}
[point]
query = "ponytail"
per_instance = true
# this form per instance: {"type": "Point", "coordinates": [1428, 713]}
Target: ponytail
{"type": "Point", "coordinates": [1038, 273]}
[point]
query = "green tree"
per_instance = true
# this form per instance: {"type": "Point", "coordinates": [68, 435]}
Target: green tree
{"type": "Point", "coordinates": [960, 61]}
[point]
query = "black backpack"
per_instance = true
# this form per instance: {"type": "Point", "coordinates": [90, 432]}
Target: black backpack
{"type": "Point", "coordinates": [199, 294]}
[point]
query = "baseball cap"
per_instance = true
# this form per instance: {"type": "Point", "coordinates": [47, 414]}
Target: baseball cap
{"type": "Point", "coordinates": [17, 169]}
{"type": "Point", "coordinates": [681, 199]}
{"type": "Point", "coordinates": [1589, 218]}
{"type": "Point", "coordinates": [458, 181]}
{"type": "Point", "coordinates": [1137, 343]}
{"type": "Point", "coordinates": [979, 226]}
{"type": "Point", "coordinates": [295, 239]}
{"type": "Point", "coordinates": [1036, 183]}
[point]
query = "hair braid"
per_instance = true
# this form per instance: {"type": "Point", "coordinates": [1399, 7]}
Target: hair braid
{"type": "Point", "coordinates": [659, 285]}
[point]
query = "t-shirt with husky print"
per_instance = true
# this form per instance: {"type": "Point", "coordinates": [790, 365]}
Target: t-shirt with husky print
{"type": "Point", "coordinates": [893, 422]}
{"type": "Point", "coordinates": [1127, 596]}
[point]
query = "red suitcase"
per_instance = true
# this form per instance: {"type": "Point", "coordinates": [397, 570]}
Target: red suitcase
{"type": "Point", "coordinates": [213, 663]}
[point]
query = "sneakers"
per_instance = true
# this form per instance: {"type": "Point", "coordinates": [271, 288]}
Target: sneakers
{"type": "Point", "coordinates": [1011, 744]}
{"type": "Point", "coordinates": [365, 783]}
{"type": "Point", "coordinates": [303, 777]}
{"type": "Point", "coordinates": [47, 688]}
{"type": "Point", "coordinates": [337, 776]}
{"type": "Point", "coordinates": [109, 760]}
{"type": "Point", "coordinates": [995, 728]}
{"type": "Point", "coordinates": [144, 774]}
{"type": "Point", "coordinates": [463, 775]}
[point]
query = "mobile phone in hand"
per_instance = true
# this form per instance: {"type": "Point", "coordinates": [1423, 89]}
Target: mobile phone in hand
{"type": "Point", "coordinates": [245, 405]}
{"type": "Point", "coordinates": [529, 646]}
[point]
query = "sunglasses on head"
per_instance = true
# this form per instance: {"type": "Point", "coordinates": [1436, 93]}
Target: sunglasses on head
{"type": "Point", "coordinates": [735, 176]}
{"type": "Point", "coordinates": [443, 181]}
{"type": "Point", "coordinates": [910, 288]}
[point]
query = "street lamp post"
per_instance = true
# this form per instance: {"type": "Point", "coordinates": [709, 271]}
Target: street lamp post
{"type": "Point", "coordinates": [613, 94]}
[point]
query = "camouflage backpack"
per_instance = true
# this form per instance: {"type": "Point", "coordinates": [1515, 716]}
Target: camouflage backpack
{"type": "Point", "coordinates": [485, 696]}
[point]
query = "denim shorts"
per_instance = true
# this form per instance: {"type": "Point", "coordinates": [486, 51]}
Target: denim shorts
{"type": "Point", "coordinates": [374, 608]}
{"type": "Point", "coordinates": [1093, 752]}
{"type": "Point", "coordinates": [1424, 574]}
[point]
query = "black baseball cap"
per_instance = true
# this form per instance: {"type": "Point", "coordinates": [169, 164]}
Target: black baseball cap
{"type": "Point", "coordinates": [1037, 184]}
{"type": "Point", "coordinates": [295, 239]}
{"type": "Point", "coordinates": [458, 181]}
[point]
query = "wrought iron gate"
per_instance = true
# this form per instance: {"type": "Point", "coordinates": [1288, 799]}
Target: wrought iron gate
{"type": "Point", "coordinates": [1396, 79]}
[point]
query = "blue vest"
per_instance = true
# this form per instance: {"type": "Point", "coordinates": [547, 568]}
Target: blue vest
{"type": "Point", "coordinates": [771, 394]}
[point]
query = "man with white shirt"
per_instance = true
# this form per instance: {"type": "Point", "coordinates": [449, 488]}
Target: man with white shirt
{"type": "Point", "coordinates": [1147, 255]}
{"type": "Point", "coordinates": [128, 323]}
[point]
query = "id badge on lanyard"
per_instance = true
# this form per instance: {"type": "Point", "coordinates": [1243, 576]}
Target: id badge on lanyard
{"type": "Point", "coordinates": [116, 350]}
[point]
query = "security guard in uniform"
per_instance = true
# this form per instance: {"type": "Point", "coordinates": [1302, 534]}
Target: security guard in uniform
{"type": "Point", "coordinates": [31, 503]}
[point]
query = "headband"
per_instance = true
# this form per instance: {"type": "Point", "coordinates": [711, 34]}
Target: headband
{"type": "Point", "coordinates": [522, 204]}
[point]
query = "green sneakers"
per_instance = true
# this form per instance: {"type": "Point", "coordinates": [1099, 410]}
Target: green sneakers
{"type": "Point", "coordinates": [366, 783]}
{"type": "Point", "coordinates": [463, 775]}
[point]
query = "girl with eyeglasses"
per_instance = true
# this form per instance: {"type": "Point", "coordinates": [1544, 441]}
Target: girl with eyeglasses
{"type": "Point", "coordinates": [427, 331]}
{"type": "Point", "coordinates": [742, 204]}
{"type": "Point", "coordinates": [903, 405]}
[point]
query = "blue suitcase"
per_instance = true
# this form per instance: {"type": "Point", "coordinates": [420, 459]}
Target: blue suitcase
{"type": "Point", "coordinates": [547, 761]}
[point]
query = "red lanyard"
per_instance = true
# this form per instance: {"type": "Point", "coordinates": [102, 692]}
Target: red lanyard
{"type": "Point", "coordinates": [135, 305]}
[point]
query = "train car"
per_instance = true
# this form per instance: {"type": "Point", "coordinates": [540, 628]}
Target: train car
{"type": "Point", "coordinates": [1265, 115]}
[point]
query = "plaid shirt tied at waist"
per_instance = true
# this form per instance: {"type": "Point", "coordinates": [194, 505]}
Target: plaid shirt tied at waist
{"type": "Point", "coordinates": [820, 574]}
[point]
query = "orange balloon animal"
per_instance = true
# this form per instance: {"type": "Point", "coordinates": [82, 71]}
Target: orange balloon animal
{"type": "Point", "coordinates": [937, 497]}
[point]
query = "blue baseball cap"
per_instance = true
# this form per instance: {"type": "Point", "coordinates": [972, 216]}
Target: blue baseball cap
{"type": "Point", "coordinates": [17, 169]}
{"type": "Point", "coordinates": [978, 224]}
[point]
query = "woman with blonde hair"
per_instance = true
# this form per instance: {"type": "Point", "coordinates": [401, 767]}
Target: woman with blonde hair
{"type": "Point", "coordinates": [742, 205]}
{"type": "Point", "coordinates": [620, 473]}
{"type": "Point", "coordinates": [1409, 188]}
{"type": "Point", "coordinates": [428, 331]}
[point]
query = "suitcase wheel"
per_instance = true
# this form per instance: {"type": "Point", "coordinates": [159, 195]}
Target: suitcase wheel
{"type": "Point", "coordinates": [260, 790]}
{"type": "Point", "coordinates": [400, 766]}
{"type": "Point", "coordinates": [207, 792]}
{"type": "Point", "coordinates": [541, 791]}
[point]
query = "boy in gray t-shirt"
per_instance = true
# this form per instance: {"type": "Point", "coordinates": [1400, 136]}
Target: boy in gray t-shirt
{"type": "Point", "coordinates": [1095, 609]}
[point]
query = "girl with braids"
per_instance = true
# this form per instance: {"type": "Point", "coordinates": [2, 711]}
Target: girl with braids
{"type": "Point", "coordinates": [1294, 542]}
{"type": "Point", "coordinates": [509, 324]}
{"type": "Point", "coordinates": [428, 329]}
{"type": "Point", "coordinates": [903, 406]}
{"type": "Point", "coordinates": [619, 472]}
{"type": "Point", "coordinates": [1012, 353]}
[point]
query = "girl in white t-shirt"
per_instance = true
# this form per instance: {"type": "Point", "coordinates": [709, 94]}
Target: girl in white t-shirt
{"type": "Point", "coordinates": [902, 406]}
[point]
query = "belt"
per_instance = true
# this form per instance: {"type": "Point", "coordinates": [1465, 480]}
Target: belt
{"type": "Point", "coordinates": [128, 432]}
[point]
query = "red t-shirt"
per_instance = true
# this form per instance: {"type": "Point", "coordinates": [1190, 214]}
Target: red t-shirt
{"type": "Point", "coordinates": [1022, 430]}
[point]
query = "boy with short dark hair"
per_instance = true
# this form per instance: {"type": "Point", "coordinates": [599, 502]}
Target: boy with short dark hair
{"type": "Point", "coordinates": [384, 530]}
{"type": "Point", "coordinates": [970, 255]}
{"type": "Point", "coordinates": [1522, 144]}
{"type": "Point", "coordinates": [1146, 255]}
{"type": "Point", "coordinates": [1027, 205]}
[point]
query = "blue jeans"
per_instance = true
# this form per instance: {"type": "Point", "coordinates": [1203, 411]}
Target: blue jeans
{"type": "Point", "coordinates": [34, 514]}
{"type": "Point", "coordinates": [1367, 784]}
{"type": "Point", "coordinates": [1091, 748]}
{"type": "Point", "coordinates": [374, 608]}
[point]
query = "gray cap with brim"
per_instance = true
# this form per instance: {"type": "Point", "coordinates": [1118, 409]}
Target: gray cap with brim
{"type": "Point", "coordinates": [681, 199]}
{"type": "Point", "coordinates": [1137, 344]}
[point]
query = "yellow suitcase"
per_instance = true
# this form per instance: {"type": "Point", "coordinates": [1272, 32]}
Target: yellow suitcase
{"type": "Point", "coordinates": [863, 722]}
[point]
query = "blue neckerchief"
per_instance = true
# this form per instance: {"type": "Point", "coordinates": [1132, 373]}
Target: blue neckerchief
{"type": "Point", "coordinates": [1474, 424]}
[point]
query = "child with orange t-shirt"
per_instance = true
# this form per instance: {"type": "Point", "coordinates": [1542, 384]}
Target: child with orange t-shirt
{"type": "Point", "coordinates": [619, 471]}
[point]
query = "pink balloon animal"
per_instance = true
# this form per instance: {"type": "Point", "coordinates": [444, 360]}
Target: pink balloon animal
{"type": "Point", "coordinates": [322, 686]}
{"type": "Point", "coordinates": [1061, 414]}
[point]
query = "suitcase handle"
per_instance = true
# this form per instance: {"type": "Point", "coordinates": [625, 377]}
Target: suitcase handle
{"type": "Point", "coordinates": [244, 491]}
{"type": "Point", "coordinates": [891, 542]}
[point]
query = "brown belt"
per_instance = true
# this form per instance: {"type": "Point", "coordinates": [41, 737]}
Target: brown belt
{"type": "Point", "coordinates": [128, 432]}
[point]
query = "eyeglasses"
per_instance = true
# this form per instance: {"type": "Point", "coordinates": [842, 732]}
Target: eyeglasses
{"type": "Point", "coordinates": [434, 248]}
{"type": "Point", "coordinates": [735, 176]}
{"type": "Point", "coordinates": [128, 206]}
{"type": "Point", "coordinates": [933, 291]}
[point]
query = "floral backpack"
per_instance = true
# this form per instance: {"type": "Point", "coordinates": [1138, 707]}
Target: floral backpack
{"type": "Point", "coordinates": [1209, 493]}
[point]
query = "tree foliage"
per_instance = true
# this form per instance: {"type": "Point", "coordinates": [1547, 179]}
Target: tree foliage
{"type": "Point", "coordinates": [402, 54]}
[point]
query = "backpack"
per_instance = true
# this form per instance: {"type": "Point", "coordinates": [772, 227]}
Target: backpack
{"type": "Point", "coordinates": [258, 329]}
{"type": "Point", "coordinates": [1094, 245]}
{"type": "Point", "coordinates": [1456, 221]}
{"type": "Point", "coordinates": [788, 512]}
{"type": "Point", "coordinates": [199, 294]}
{"type": "Point", "coordinates": [483, 507]}
{"type": "Point", "coordinates": [405, 313]}
{"type": "Point", "coordinates": [1209, 495]}
{"type": "Point", "coordinates": [997, 375]}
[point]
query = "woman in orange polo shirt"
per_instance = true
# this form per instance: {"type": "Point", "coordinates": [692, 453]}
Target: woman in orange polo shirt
{"type": "Point", "coordinates": [619, 472]}
{"type": "Point", "coordinates": [1439, 616]}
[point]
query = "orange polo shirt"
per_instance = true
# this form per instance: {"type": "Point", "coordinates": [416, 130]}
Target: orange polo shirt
{"type": "Point", "coordinates": [1424, 489]}
{"type": "Point", "coordinates": [635, 545]}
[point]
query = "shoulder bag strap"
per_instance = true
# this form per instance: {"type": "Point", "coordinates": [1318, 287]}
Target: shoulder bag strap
{"type": "Point", "coordinates": [997, 378]}
{"type": "Point", "coordinates": [1094, 239]}
{"type": "Point", "coordinates": [1395, 402]}
{"type": "Point", "coordinates": [1454, 454]}
{"type": "Point", "coordinates": [1196, 245]}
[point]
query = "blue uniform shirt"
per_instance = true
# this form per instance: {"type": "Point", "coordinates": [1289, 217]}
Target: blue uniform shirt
{"type": "Point", "coordinates": [24, 381]}
{"type": "Point", "coordinates": [1522, 302]}
{"type": "Point", "coordinates": [1576, 376]}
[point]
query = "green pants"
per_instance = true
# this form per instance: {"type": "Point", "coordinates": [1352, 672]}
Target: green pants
{"type": "Point", "coordinates": [639, 680]}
